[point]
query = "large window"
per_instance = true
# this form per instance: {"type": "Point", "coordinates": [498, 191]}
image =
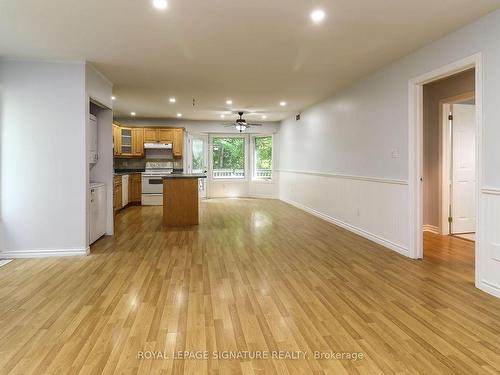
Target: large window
{"type": "Point", "coordinates": [228, 157]}
{"type": "Point", "coordinates": [263, 158]}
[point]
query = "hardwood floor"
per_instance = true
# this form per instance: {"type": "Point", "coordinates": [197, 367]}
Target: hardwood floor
{"type": "Point", "coordinates": [256, 275]}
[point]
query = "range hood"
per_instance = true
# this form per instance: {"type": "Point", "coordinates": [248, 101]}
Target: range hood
{"type": "Point", "coordinates": [166, 146]}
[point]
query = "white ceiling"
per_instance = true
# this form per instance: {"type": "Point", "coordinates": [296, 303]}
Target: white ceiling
{"type": "Point", "coordinates": [256, 52]}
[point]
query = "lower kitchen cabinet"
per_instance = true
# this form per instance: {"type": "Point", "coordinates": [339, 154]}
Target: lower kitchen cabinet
{"type": "Point", "coordinates": [135, 188]}
{"type": "Point", "coordinates": [117, 196]}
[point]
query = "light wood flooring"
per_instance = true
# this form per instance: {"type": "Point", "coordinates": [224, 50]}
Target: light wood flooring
{"type": "Point", "coordinates": [255, 275]}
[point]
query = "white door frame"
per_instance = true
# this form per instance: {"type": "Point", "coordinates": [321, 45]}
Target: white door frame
{"type": "Point", "coordinates": [415, 145]}
{"type": "Point", "coordinates": [445, 109]}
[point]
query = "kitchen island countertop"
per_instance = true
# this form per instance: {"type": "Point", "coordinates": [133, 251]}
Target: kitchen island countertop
{"type": "Point", "coordinates": [186, 175]}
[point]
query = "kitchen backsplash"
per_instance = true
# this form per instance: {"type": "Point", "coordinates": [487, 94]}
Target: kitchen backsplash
{"type": "Point", "coordinates": [122, 163]}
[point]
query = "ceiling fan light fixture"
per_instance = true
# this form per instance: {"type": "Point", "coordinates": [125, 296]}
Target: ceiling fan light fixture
{"type": "Point", "coordinates": [240, 127]}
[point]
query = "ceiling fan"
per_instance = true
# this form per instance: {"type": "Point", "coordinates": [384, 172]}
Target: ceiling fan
{"type": "Point", "coordinates": [241, 124]}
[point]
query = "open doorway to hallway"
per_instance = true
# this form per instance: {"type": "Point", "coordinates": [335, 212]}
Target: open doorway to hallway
{"type": "Point", "coordinates": [449, 167]}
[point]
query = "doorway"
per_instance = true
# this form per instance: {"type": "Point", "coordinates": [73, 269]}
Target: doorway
{"type": "Point", "coordinates": [197, 159]}
{"type": "Point", "coordinates": [417, 176]}
{"type": "Point", "coordinates": [449, 170]}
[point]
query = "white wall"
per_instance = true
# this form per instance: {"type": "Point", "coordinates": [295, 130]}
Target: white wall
{"type": "Point", "coordinates": [361, 134]}
{"type": "Point", "coordinates": [42, 158]}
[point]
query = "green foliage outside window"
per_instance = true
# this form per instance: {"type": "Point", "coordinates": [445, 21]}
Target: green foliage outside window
{"type": "Point", "coordinates": [264, 152]}
{"type": "Point", "coordinates": [229, 157]}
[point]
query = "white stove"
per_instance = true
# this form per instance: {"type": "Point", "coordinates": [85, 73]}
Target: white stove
{"type": "Point", "coordinates": [152, 182]}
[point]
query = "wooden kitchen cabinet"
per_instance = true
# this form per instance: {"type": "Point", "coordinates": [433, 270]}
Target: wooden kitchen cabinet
{"type": "Point", "coordinates": [116, 140]}
{"type": "Point", "coordinates": [178, 143]}
{"type": "Point", "coordinates": [137, 142]}
{"type": "Point", "coordinates": [129, 142]}
{"type": "Point", "coordinates": [135, 188]}
{"type": "Point", "coordinates": [151, 135]}
{"type": "Point", "coordinates": [117, 196]}
{"type": "Point", "coordinates": [166, 135]}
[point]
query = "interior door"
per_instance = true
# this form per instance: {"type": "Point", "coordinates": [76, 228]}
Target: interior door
{"type": "Point", "coordinates": [463, 202]}
{"type": "Point", "coordinates": [198, 160]}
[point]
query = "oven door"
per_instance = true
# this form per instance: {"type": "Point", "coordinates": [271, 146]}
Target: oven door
{"type": "Point", "coordinates": [152, 185]}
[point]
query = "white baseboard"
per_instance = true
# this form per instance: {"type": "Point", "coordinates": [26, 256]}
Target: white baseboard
{"type": "Point", "coordinates": [488, 287]}
{"type": "Point", "coordinates": [431, 228]}
{"type": "Point", "coordinates": [15, 254]}
{"type": "Point", "coordinates": [361, 232]}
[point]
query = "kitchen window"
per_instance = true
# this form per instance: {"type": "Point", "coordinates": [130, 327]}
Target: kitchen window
{"type": "Point", "coordinates": [228, 158]}
{"type": "Point", "coordinates": [263, 157]}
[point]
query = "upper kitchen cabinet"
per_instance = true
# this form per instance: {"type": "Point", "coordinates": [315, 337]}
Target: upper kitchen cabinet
{"type": "Point", "coordinates": [151, 135]}
{"type": "Point", "coordinates": [125, 141]}
{"type": "Point", "coordinates": [116, 140]}
{"type": "Point", "coordinates": [128, 142]}
{"type": "Point", "coordinates": [178, 143]}
{"type": "Point", "coordinates": [137, 142]}
{"type": "Point", "coordinates": [166, 135]}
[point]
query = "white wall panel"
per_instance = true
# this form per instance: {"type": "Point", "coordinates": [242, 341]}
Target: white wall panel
{"type": "Point", "coordinates": [373, 208]}
{"type": "Point", "coordinates": [490, 249]}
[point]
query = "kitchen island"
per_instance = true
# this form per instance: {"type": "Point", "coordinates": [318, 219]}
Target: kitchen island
{"type": "Point", "coordinates": [180, 199]}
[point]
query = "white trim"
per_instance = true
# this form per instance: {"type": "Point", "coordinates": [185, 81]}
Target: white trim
{"type": "Point", "coordinates": [361, 232]}
{"type": "Point", "coordinates": [490, 191]}
{"type": "Point", "coordinates": [14, 254]}
{"type": "Point", "coordinates": [445, 168]}
{"type": "Point", "coordinates": [415, 132]}
{"type": "Point", "coordinates": [489, 287]}
{"type": "Point", "coordinates": [349, 177]}
{"type": "Point", "coordinates": [106, 79]}
{"type": "Point", "coordinates": [431, 228]}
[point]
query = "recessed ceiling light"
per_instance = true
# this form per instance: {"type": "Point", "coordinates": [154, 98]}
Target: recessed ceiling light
{"type": "Point", "coordinates": [264, 117]}
{"type": "Point", "coordinates": [179, 115]}
{"type": "Point", "coordinates": [160, 4]}
{"type": "Point", "coordinates": [222, 116]}
{"type": "Point", "coordinates": [172, 100]}
{"type": "Point", "coordinates": [113, 98]}
{"type": "Point", "coordinates": [318, 15]}
{"type": "Point", "coordinates": [229, 102]}
{"type": "Point", "coordinates": [133, 113]}
{"type": "Point", "coordinates": [283, 104]}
